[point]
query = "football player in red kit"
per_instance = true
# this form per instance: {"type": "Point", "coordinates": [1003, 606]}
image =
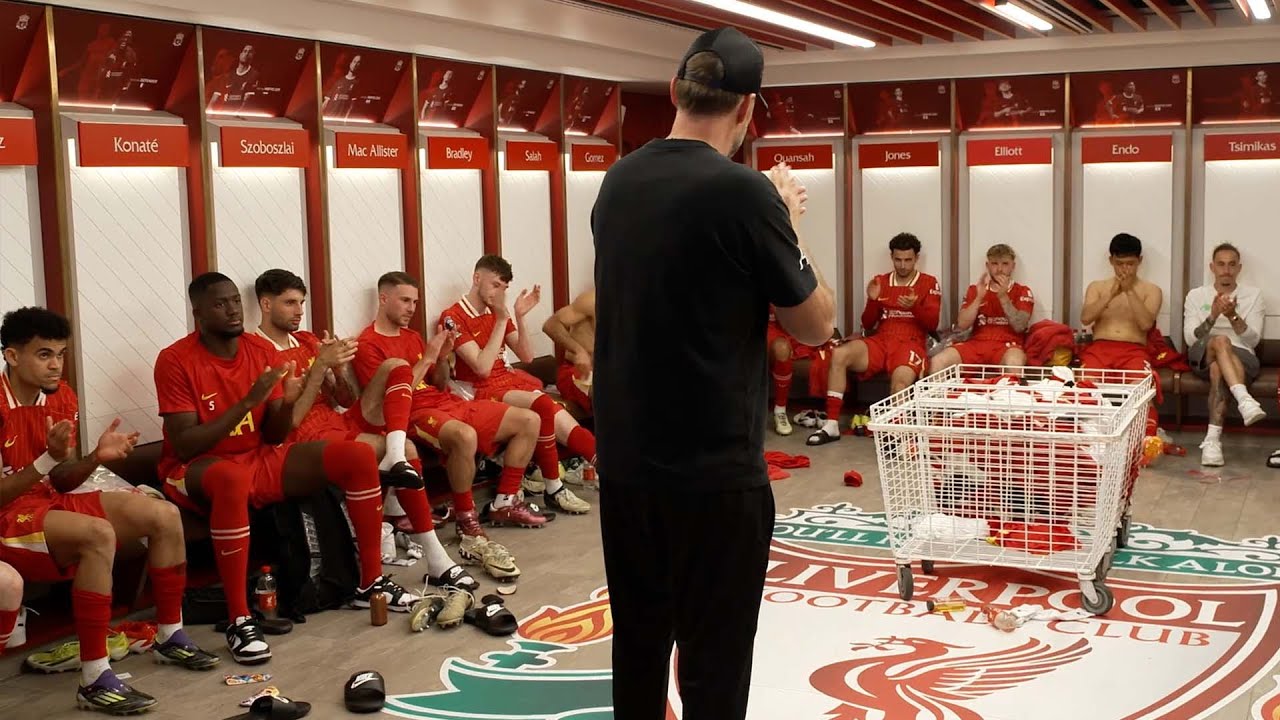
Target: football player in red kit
{"type": "Point", "coordinates": [454, 426]}
{"type": "Point", "coordinates": [329, 384]}
{"type": "Point", "coordinates": [999, 311]}
{"type": "Point", "coordinates": [226, 418]}
{"type": "Point", "coordinates": [902, 308]}
{"type": "Point", "coordinates": [784, 350]}
{"type": "Point", "coordinates": [485, 329]}
{"type": "Point", "coordinates": [48, 533]}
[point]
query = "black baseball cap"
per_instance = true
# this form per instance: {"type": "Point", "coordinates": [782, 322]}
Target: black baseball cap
{"type": "Point", "coordinates": [743, 62]}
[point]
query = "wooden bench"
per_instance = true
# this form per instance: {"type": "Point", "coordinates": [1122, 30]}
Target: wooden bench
{"type": "Point", "coordinates": [1183, 388]}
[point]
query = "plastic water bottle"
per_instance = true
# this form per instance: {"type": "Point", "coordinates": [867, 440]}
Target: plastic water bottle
{"type": "Point", "coordinates": [265, 591]}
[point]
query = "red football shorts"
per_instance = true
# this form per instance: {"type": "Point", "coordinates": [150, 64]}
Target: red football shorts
{"type": "Point", "coordinates": [798, 351]}
{"type": "Point", "coordinates": [265, 464]}
{"type": "Point", "coordinates": [887, 353]}
{"type": "Point", "coordinates": [1118, 355]}
{"type": "Point", "coordinates": [984, 352]}
{"type": "Point", "coordinates": [497, 387]}
{"type": "Point", "coordinates": [484, 416]}
{"type": "Point", "coordinates": [330, 427]}
{"type": "Point", "coordinates": [569, 390]}
{"type": "Point", "coordinates": [22, 541]}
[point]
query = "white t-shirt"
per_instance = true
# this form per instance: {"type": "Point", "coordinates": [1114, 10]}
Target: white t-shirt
{"type": "Point", "coordinates": [1249, 306]}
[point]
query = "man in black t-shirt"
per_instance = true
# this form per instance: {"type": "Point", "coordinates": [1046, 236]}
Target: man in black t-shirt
{"type": "Point", "coordinates": [691, 250]}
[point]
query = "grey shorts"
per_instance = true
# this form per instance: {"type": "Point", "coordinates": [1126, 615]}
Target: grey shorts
{"type": "Point", "coordinates": [1195, 356]}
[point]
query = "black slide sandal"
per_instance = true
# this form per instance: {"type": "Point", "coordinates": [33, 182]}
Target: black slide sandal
{"type": "Point", "coordinates": [820, 437]}
{"type": "Point", "coordinates": [493, 617]}
{"type": "Point", "coordinates": [1273, 460]}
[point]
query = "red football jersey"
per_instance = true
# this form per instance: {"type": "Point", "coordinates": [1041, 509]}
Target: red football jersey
{"type": "Point", "coordinates": [992, 323]}
{"type": "Point", "coordinates": [302, 351]}
{"type": "Point", "coordinates": [475, 326]}
{"type": "Point", "coordinates": [22, 428]}
{"type": "Point", "coordinates": [190, 379]}
{"type": "Point", "coordinates": [375, 348]}
{"type": "Point", "coordinates": [888, 318]}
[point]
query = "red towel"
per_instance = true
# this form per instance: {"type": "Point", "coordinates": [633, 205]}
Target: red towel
{"type": "Point", "coordinates": [1034, 538]}
{"type": "Point", "coordinates": [1046, 336]}
{"type": "Point", "coordinates": [779, 460]}
{"type": "Point", "coordinates": [783, 460]}
{"type": "Point", "coordinates": [1163, 355]}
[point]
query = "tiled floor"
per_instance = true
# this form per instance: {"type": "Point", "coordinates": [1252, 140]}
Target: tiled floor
{"type": "Point", "coordinates": [562, 567]}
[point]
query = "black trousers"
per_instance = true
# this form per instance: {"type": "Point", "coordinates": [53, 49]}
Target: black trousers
{"type": "Point", "coordinates": [686, 569]}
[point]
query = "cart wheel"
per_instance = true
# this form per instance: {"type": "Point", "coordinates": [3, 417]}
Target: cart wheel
{"type": "Point", "coordinates": [1104, 600]}
{"type": "Point", "coordinates": [1122, 533]}
{"type": "Point", "coordinates": [905, 588]}
{"type": "Point", "coordinates": [926, 566]}
{"type": "Point", "coordinates": [1104, 565]}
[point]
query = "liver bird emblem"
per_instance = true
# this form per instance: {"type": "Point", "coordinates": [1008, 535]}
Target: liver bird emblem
{"type": "Point", "coordinates": [918, 679]}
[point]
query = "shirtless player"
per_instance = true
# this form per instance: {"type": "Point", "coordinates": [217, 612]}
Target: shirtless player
{"type": "Point", "coordinates": [1122, 310]}
{"type": "Point", "coordinates": [485, 329]}
{"type": "Point", "coordinates": [48, 533]}
{"type": "Point", "coordinates": [902, 307]}
{"type": "Point", "coordinates": [226, 422]}
{"type": "Point", "coordinates": [573, 329]}
{"type": "Point", "coordinates": [1001, 311]}
{"type": "Point", "coordinates": [330, 384]}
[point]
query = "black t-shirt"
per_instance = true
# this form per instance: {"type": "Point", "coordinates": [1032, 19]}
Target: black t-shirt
{"type": "Point", "coordinates": [691, 248]}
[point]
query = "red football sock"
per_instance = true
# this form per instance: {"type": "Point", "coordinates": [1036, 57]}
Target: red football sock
{"type": "Point", "coordinates": [167, 585]}
{"type": "Point", "coordinates": [353, 466]}
{"type": "Point", "coordinates": [464, 501]}
{"type": "Point", "coordinates": [227, 486]}
{"type": "Point", "coordinates": [8, 620]}
{"type": "Point", "coordinates": [510, 479]}
{"type": "Point", "coordinates": [417, 508]}
{"type": "Point", "coordinates": [835, 402]}
{"type": "Point", "coordinates": [544, 452]}
{"type": "Point", "coordinates": [398, 399]}
{"type": "Point", "coordinates": [91, 613]}
{"type": "Point", "coordinates": [582, 443]}
{"type": "Point", "coordinates": [781, 382]}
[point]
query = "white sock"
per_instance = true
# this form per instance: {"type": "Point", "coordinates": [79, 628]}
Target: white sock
{"type": "Point", "coordinates": [91, 670]}
{"type": "Point", "coordinates": [553, 485]}
{"type": "Point", "coordinates": [501, 501]}
{"type": "Point", "coordinates": [437, 559]}
{"type": "Point", "coordinates": [831, 427]}
{"type": "Point", "coordinates": [779, 409]}
{"type": "Point", "coordinates": [1215, 433]}
{"type": "Point", "coordinates": [164, 632]}
{"type": "Point", "coordinates": [395, 450]}
{"type": "Point", "coordinates": [1242, 393]}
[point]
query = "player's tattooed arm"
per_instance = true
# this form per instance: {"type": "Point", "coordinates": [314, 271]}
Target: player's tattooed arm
{"type": "Point", "coordinates": [1018, 319]}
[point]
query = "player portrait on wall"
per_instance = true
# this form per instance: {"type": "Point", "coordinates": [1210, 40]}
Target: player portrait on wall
{"type": "Point", "coordinates": [237, 85]}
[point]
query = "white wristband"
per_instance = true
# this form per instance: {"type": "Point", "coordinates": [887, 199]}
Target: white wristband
{"type": "Point", "coordinates": [44, 464]}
